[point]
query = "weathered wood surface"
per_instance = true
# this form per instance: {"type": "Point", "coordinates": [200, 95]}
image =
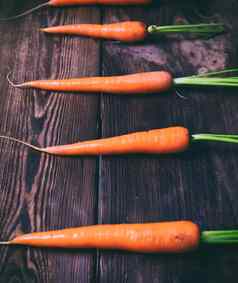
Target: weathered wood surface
{"type": "Point", "coordinates": [40, 192]}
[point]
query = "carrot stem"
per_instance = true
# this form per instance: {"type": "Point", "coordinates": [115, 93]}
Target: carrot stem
{"type": "Point", "coordinates": [219, 237]}
{"type": "Point", "coordinates": [216, 138]}
{"type": "Point", "coordinates": [210, 79]}
{"type": "Point", "coordinates": [200, 29]}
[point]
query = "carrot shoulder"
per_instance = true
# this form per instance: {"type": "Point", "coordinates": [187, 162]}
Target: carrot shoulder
{"type": "Point", "coordinates": [130, 31]}
{"type": "Point", "coordinates": [164, 237]}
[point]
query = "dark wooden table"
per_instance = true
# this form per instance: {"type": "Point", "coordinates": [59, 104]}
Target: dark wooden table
{"type": "Point", "coordinates": [40, 192]}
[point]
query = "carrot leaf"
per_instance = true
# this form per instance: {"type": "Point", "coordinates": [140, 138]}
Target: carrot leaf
{"type": "Point", "coordinates": [220, 237]}
{"type": "Point", "coordinates": [210, 79]}
{"type": "Point", "coordinates": [198, 29]}
{"type": "Point", "coordinates": [215, 138]}
{"type": "Point", "coordinates": [223, 72]}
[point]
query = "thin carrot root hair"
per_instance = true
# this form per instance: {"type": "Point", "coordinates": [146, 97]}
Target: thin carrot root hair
{"type": "Point", "coordinates": [22, 143]}
{"type": "Point", "coordinates": [4, 243]}
{"type": "Point", "coordinates": [28, 12]}
{"type": "Point", "coordinates": [11, 83]}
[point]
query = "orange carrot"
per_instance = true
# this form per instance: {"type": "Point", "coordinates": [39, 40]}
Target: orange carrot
{"type": "Point", "coordinates": [58, 3]}
{"type": "Point", "coordinates": [130, 31]}
{"type": "Point", "coordinates": [160, 141]}
{"type": "Point", "coordinates": [164, 237]}
{"type": "Point", "coordinates": [148, 82]}
{"type": "Point", "coordinates": [61, 3]}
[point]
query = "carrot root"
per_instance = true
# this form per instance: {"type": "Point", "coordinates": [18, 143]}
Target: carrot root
{"type": "Point", "coordinates": [158, 141]}
{"type": "Point", "coordinates": [143, 83]}
{"type": "Point", "coordinates": [129, 31]}
{"type": "Point", "coordinates": [58, 3]}
{"type": "Point", "coordinates": [163, 237]}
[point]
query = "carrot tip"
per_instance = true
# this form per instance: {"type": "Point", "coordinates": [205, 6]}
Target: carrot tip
{"type": "Point", "coordinates": [11, 83]}
{"type": "Point", "coordinates": [43, 30]}
{"type": "Point", "coordinates": [5, 243]}
{"type": "Point", "coordinates": [22, 142]}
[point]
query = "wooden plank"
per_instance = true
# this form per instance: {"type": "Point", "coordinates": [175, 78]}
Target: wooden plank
{"type": "Point", "coordinates": [39, 192]}
{"type": "Point", "coordinates": [201, 184]}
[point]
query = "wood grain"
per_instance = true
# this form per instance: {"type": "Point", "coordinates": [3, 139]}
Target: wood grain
{"type": "Point", "coordinates": [39, 192]}
{"type": "Point", "coordinates": [199, 185]}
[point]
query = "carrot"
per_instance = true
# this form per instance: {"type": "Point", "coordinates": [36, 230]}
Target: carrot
{"type": "Point", "coordinates": [125, 31]}
{"type": "Point", "coordinates": [58, 3]}
{"type": "Point", "coordinates": [160, 141]}
{"type": "Point", "coordinates": [164, 237]}
{"type": "Point", "coordinates": [127, 84]}
{"type": "Point", "coordinates": [131, 31]}
{"type": "Point", "coordinates": [146, 83]}
{"type": "Point", "coordinates": [61, 3]}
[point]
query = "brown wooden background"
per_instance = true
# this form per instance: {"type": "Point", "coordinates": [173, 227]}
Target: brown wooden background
{"type": "Point", "coordinates": [39, 192]}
